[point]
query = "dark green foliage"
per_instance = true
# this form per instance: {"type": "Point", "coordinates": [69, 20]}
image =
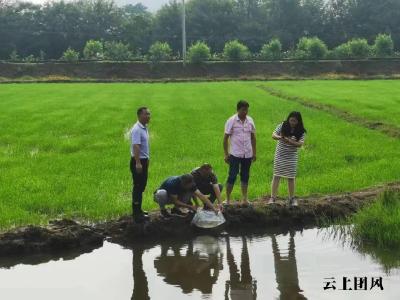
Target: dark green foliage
{"type": "Point", "coordinates": [271, 50]}
{"type": "Point", "coordinates": [199, 53]}
{"type": "Point", "coordinates": [159, 52]}
{"type": "Point", "coordinates": [236, 51]}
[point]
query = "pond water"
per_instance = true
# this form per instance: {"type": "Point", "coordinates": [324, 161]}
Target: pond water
{"type": "Point", "coordinates": [274, 265]}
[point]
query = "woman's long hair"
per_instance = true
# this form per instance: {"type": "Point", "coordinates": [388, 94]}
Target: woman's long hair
{"type": "Point", "coordinates": [299, 130]}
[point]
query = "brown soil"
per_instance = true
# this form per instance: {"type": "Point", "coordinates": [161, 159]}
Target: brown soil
{"type": "Point", "coordinates": [67, 235]}
{"type": "Point", "coordinates": [142, 71]}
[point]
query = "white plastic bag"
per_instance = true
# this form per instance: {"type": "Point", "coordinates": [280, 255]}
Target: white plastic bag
{"type": "Point", "coordinates": [208, 219]}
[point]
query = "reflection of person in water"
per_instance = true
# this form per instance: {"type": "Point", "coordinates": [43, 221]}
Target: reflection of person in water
{"type": "Point", "coordinates": [241, 285]}
{"type": "Point", "coordinates": [140, 285]}
{"type": "Point", "coordinates": [286, 270]}
{"type": "Point", "coordinates": [197, 269]}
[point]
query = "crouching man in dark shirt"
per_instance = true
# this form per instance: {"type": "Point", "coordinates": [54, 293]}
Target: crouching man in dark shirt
{"type": "Point", "coordinates": [207, 183]}
{"type": "Point", "coordinates": [180, 191]}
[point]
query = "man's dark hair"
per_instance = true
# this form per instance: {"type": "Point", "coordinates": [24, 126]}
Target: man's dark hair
{"type": "Point", "coordinates": [140, 110]}
{"type": "Point", "coordinates": [206, 167]}
{"type": "Point", "coordinates": [242, 103]}
{"type": "Point", "coordinates": [187, 179]}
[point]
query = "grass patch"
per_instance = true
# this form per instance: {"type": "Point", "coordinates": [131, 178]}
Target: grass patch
{"type": "Point", "coordinates": [377, 100]}
{"type": "Point", "coordinates": [379, 223]}
{"type": "Point", "coordinates": [64, 151]}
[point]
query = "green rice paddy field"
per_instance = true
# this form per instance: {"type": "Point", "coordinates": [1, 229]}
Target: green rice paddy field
{"type": "Point", "coordinates": [64, 148]}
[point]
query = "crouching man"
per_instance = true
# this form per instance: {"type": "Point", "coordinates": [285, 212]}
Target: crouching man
{"type": "Point", "coordinates": [180, 191]}
{"type": "Point", "coordinates": [207, 183]}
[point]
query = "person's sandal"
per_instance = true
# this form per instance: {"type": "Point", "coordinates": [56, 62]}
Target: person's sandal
{"type": "Point", "coordinates": [177, 212]}
{"type": "Point", "coordinates": [271, 200]}
{"type": "Point", "coordinates": [293, 201]}
{"type": "Point", "coordinates": [165, 214]}
{"type": "Point", "coordinates": [244, 204]}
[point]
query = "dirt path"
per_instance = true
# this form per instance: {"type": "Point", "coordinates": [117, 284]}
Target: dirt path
{"type": "Point", "coordinates": [67, 235]}
{"type": "Point", "coordinates": [387, 129]}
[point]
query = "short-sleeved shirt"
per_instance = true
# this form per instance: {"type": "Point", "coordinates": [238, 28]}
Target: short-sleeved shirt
{"type": "Point", "coordinates": [140, 136]}
{"type": "Point", "coordinates": [173, 186]}
{"type": "Point", "coordinates": [203, 182]}
{"type": "Point", "coordinates": [240, 136]}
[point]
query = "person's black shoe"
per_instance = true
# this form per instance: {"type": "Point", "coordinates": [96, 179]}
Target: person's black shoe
{"type": "Point", "coordinates": [165, 214]}
{"type": "Point", "coordinates": [177, 212]}
{"type": "Point", "coordinates": [145, 213]}
{"type": "Point", "coordinates": [140, 218]}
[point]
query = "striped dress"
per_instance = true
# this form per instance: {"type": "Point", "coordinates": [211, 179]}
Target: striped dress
{"type": "Point", "coordinates": [285, 162]}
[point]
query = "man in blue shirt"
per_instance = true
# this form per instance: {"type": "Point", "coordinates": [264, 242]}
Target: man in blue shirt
{"type": "Point", "coordinates": [180, 190]}
{"type": "Point", "coordinates": [140, 155]}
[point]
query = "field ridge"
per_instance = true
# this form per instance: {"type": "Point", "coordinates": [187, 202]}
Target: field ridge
{"type": "Point", "coordinates": [382, 127]}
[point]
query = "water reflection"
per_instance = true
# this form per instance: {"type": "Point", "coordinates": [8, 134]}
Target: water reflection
{"type": "Point", "coordinates": [140, 284]}
{"type": "Point", "coordinates": [240, 285]}
{"type": "Point", "coordinates": [196, 265]}
{"type": "Point", "coordinates": [286, 269]}
{"type": "Point", "coordinates": [273, 265]}
{"type": "Point", "coordinates": [197, 268]}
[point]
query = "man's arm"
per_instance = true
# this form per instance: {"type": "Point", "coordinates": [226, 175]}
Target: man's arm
{"type": "Point", "coordinates": [178, 202]}
{"type": "Point", "coordinates": [225, 143]}
{"type": "Point", "coordinates": [217, 192]}
{"type": "Point", "coordinates": [196, 201]}
{"type": "Point", "coordinates": [135, 140]}
{"type": "Point", "coordinates": [205, 200]}
{"type": "Point", "coordinates": [254, 145]}
{"type": "Point", "coordinates": [136, 152]}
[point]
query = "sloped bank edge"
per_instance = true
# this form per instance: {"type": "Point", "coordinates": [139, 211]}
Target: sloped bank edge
{"type": "Point", "coordinates": [67, 235]}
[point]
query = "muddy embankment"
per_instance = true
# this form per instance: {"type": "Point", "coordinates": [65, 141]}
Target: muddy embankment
{"type": "Point", "coordinates": [176, 71]}
{"type": "Point", "coordinates": [67, 238]}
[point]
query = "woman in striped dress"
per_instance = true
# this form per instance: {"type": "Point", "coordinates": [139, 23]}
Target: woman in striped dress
{"type": "Point", "coordinates": [290, 136]}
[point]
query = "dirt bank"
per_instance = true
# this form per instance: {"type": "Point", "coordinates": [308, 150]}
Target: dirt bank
{"type": "Point", "coordinates": [142, 71]}
{"type": "Point", "coordinates": [63, 235]}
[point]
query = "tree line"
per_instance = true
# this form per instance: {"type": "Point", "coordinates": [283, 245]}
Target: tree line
{"type": "Point", "coordinates": [46, 31]}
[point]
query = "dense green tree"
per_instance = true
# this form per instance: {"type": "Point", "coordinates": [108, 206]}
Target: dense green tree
{"type": "Point", "coordinates": [168, 25]}
{"type": "Point", "coordinates": [52, 27]}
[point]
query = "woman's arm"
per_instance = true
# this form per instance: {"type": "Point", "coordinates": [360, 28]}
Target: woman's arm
{"type": "Point", "coordinates": [293, 142]}
{"type": "Point", "coordinates": [277, 133]}
{"type": "Point", "coordinates": [276, 136]}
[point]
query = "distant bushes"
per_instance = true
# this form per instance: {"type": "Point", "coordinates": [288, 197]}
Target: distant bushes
{"type": "Point", "coordinates": [70, 55]}
{"type": "Point", "coordinates": [93, 50]}
{"type": "Point", "coordinates": [307, 48]}
{"type": "Point", "coordinates": [117, 51]}
{"type": "Point", "coordinates": [271, 50]}
{"type": "Point", "coordinates": [359, 48]}
{"type": "Point", "coordinates": [199, 53]}
{"type": "Point", "coordinates": [159, 52]}
{"type": "Point", "coordinates": [383, 46]}
{"type": "Point", "coordinates": [342, 51]}
{"type": "Point", "coordinates": [311, 48]}
{"type": "Point", "coordinates": [236, 51]}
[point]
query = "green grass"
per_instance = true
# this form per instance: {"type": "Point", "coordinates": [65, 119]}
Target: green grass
{"type": "Point", "coordinates": [379, 223]}
{"type": "Point", "coordinates": [374, 100]}
{"type": "Point", "coordinates": [64, 151]}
